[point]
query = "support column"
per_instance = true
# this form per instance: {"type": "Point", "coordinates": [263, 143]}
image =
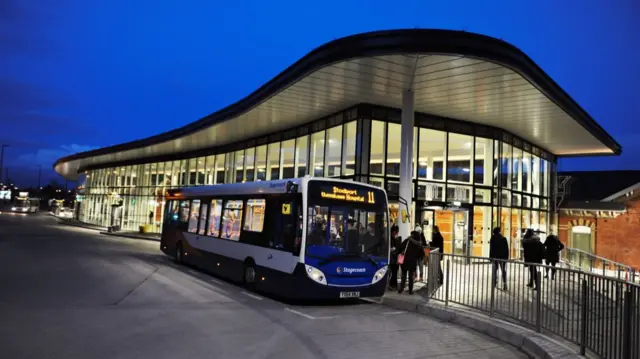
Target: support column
{"type": "Point", "coordinates": [406, 155]}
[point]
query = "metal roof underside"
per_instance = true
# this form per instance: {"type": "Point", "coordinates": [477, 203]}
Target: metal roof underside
{"type": "Point", "coordinates": [465, 85]}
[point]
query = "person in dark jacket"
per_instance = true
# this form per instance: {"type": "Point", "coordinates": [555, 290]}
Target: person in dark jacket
{"type": "Point", "coordinates": [499, 253]}
{"type": "Point", "coordinates": [423, 243]}
{"type": "Point", "coordinates": [552, 248]}
{"type": "Point", "coordinates": [533, 254]}
{"type": "Point", "coordinates": [437, 241]}
{"type": "Point", "coordinates": [393, 258]}
{"type": "Point", "coordinates": [411, 249]}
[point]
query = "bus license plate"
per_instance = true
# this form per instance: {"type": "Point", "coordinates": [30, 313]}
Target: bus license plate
{"type": "Point", "coordinates": [349, 294]}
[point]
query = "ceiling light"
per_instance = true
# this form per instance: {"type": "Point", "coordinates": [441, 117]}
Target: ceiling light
{"type": "Point", "coordinates": [423, 163]}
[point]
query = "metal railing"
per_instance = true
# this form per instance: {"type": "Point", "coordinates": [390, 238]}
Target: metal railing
{"type": "Point", "coordinates": [585, 261]}
{"type": "Point", "coordinates": [597, 313]}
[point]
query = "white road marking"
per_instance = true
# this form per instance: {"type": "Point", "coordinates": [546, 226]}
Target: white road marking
{"type": "Point", "coordinates": [252, 295]}
{"type": "Point", "coordinates": [299, 313]}
{"type": "Point", "coordinates": [215, 281]}
{"type": "Point", "coordinates": [192, 271]}
{"type": "Point", "coordinates": [393, 313]}
{"type": "Point", "coordinates": [307, 315]}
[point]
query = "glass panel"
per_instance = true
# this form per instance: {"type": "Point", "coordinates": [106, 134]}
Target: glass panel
{"type": "Point", "coordinates": [516, 174]}
{"type": "Point", "coordinates": [184, 180]}
{"type": "Point", "coordinates": [481, 231]}
{"type": "Point", "coordinates": [350, 148]}
{"type": "Point", "coordinates": [377, 147]}
{"type": "Point", "coordinates": [393, 149]}
{"type": "Point", "coordinates": [254, 218]}
{"type": "Point", "coordinates": [219, 172]}
{"type": "Point", "coordinates": [516, 234]}
{"type": "Point", "coordinates": [535, 175]}
{"type": "Point", "coordinates": [431, 191]}
{"type": "Point", "coordinates": [317, 154]}
{"type": "Point", "coordinates": [483, 195]}
{"type": "Point", "coordinates": [526, 201]}
{"type": "Point", "coordinates": [459, 193]}
{"type": "Point", "coordinates": [231, 219]}
{"type": "Point", "coordinates": [535, 221]}
{"type": "Point", "coordinates": [249, 164]}
{"type": "Point", "coordinates": [239, 166]}
{"type": "Point", "coordinates": [334, 151]}
{"type": "Point", "coordinates": [526, 172]}
{"type": "Point", "coordinates": [261, 163]}
{"type": "Point", "coordinates": [505, 166]}
{"type": "Point", "coordinates": [302, 155]}
{"type": "Point", "coordinates": [214, 218]}
{"type": "Point", "coordinates": [273, 159]}
{"type": "Point", "coordinates": [194, 216]}
{"type": "Point", "coordinates": [526, 219]}
{"type": "Point", "coordinates": [167, 174]}
{"type": "Point", "coordinates": [496, 153]}
{"type": "Point", "coordinates": [483, 163]}
{"type": "Point", "coordinates": [432, 154]}
{"type": "Point", "coordinates": [200, 178]}
{"type": "Point", "coordinates": [505, 198]}
{"type": "Point", "coordinates": [535, 202]}
{"type": "Point", "coordinates": [193, 167]}
{"type": "Point", "coordinates": [544, 169]}
{"type": "Point", "coordinates": [516, 200]}
{"type": "Point", "coordinates": [175, 174]}
{"type": "Point", "coordinates": [459, 158]}
{"type": "Point", "coordinates": [210, 170]}
{"type": "Point", "coordinates": [287, 156]}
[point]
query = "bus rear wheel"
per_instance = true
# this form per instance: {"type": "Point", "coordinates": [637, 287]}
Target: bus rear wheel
{"type": "Point", "coordinates": [179, 253]}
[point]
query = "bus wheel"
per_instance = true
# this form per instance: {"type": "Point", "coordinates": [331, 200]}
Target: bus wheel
{"type": "Point", "coordinates": [179, 253]}
{"type": "Point", "coordinates": [249, 275]}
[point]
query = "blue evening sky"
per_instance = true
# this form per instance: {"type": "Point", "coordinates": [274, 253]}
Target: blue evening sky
{"type": "Point", "coordinates": [78, 74]}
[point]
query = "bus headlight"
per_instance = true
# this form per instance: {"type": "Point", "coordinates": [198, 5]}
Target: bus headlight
{"type": "Point", "coordinates": [14, 209]}
{"type": "Point", "coordinates": [379, 275]}
{"type": "Point", "coordinates": [316, 274]}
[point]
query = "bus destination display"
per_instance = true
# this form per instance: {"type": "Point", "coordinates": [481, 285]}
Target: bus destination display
{"type": "Point", "coordinates": [348, 195]}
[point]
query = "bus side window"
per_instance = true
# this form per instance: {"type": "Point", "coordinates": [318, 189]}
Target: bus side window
{"type": "Point", "coordinates": [183, 215]}
{"type": "Point", "coordinates": [284, 222]}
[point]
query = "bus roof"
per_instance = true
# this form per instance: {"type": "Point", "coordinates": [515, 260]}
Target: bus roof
{"type": "Point", "coordinates": [267, 187]}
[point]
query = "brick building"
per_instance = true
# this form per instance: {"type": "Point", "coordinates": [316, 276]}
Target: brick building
{"type": "Point", "coordinates": [600, 214]}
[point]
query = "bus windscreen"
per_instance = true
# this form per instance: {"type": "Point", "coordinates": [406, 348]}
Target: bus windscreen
{"type": "Point", "coordinates": [346, 220]}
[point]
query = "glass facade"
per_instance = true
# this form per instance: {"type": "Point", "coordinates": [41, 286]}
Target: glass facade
{"type": "Point", "coordinates": [497, 178]}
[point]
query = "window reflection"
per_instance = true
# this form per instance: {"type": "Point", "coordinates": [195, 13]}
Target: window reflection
{"type": "Point", "coordinates": [484, 162]}
{"type": "Point", "coordinates": [302, 155]}
{"type": "Point", "coordinates": [287, 157]}
{"type": "Point", "coordinates": [349, 165]}
{"type": "Point", "coordinates": [261, 163]}
{"type": "Point", "coordinates": [516, 173]}
{"type": "Point", "coordinates": [249, 164]}
{"type": "Point", "coordinates": [317, 154]}
{"type": "Point", "coordinates": [393, 149]}
{"type": "Point", "coordinates": [431, 154]}
{"type": "Point", "coordinates": [334, 151]}
{"type": "Point", "coordinates": [377, 147]}
{"type": "Point", "coordinates": [273, 159]}
{"type": "Point", "coordinates": [239, 166]}
{"type": "Point", "coordinates": [459, 158]}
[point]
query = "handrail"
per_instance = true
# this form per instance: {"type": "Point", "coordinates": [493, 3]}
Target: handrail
{"type": "Point", "coordinates": [614, 263]}
{"type": "Point", "coordinates": [598, 313]}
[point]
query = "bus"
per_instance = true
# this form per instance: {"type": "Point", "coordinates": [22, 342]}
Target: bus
{"type": "Point", "coordinates": [25, 205]}
{"type": "Point", "coordinates": [306, 238]}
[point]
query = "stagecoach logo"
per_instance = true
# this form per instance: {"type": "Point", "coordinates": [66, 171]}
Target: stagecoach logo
{"type": "Point", "coordinates": [350, 270]}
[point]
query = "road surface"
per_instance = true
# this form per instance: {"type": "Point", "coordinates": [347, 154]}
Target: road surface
{"type": "Point", "coordinates": [68, 292]}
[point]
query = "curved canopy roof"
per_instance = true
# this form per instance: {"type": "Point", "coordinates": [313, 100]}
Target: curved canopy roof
{"type": "Point", "coordinates": [453, 74]}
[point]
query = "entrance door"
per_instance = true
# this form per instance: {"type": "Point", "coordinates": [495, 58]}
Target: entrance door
{"type": "Point", "coordinates": [460, 227]}
{"type": "Point", "coordinates": [581, 240]}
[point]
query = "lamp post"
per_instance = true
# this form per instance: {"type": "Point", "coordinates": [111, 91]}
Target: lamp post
{"type": "Point", "coordinates": [2, 159]}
